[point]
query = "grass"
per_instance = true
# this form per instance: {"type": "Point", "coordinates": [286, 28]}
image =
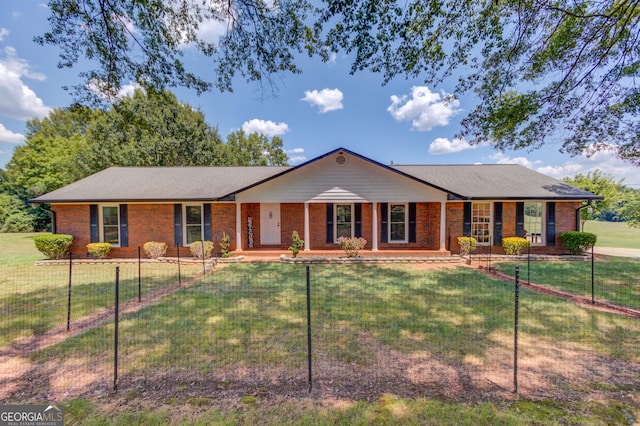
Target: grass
{"type": "Point", "coordinates": [18, 249]}
{"type": "Point", "coordinates": [615, 278]}
{"type": "Point", "coordinates": [614, 234]}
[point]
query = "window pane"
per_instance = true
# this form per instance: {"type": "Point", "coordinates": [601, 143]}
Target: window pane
{"type": "Point", "coordinates": [343, 230]}
{"type": "Point", "coordinates": [533, 222]}
{"type": "Point", "coordinates": [480, 221]}
{"type": "Point", "coordinates": [343, 214]}
{"type": "Point", "coordinates": [110, 215]}
{"type": "Point", "coordinates": [111, 235]}
{"type": "Point", "coordinates": [110, 231]}
{"type": "Point", "coordinates": [397, 214]}
{"type": "Point", "coordinates": [194, 215]}
{"type": "Point", "coordinates": [194, 233]}
{"type": "Point", "coordinates": [397, 232]}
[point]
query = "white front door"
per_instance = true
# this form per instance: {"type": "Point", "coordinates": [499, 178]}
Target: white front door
{"type": "Point", "coordinates": [270, 224]}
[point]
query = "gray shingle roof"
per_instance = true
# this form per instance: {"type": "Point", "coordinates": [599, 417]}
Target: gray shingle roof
{"type": "Point", "coordinates": [487, 181]}
{"type": "Point", "coordinates": [160, 183]}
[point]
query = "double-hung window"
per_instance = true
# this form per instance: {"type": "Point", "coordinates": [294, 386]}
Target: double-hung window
{"type": "Point", "coordinates": [110, 229]}
{"type": "Point", "coordinates": [193, 223]}
{"type": "Point", "coordinates": [533, 222]}
{"type": "Point", "coordinates": [397, 223]}
{"type": "Point", "coordinates": [344, 221]}
{"type": "Point", "coordinates": [481, 222]}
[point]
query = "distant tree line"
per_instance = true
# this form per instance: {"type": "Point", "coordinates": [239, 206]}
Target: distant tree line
{"type": "Point", "coordinates": [147, 129]}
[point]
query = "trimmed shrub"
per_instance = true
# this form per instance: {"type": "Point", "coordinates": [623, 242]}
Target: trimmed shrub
{"type": "Point", "coordinates": [196, 249]}
{"type": "Point", "coordinates": [225, 245]}
{"type": "Point", "coordinates": [296, 244]}
{"type": "Point", "coordinates": [99, 250]}
{"type": "Point", "coordinates": [155, 249]}
{"type": "Point", "coordinates": [54, 246]}
{"type": "Point", "coordinates": [578, 242]}
{"type": "Point", "coordinates": [514, 245]}
{"type": "Point", "coordinates": [467, 245]}
{"type": "Point", "coordinates": [352, 246]}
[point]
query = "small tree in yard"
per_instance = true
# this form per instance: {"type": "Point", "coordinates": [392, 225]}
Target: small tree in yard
{"type": "Point", "coordinates": [296, 244]}
{"type": "Point", "coordinates": [225, 245]}
{"type": "Point", "coordinates": [467, 245]}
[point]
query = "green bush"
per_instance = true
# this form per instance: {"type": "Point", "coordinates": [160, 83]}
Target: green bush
{"type": "Point", "coordinates": [467, 245]}
{"type": "Point", "coordinates": [196, 249]}
{"type": "Point", "coordinates": [225, 245]}
{"type": "Point", "coordinates": [352, 246]}
{"type": "Point", "coordinates": [155, 249]}
{"type": "Point", "coordinates": [99, 250]}
{"type": "Point", "coordinates": [54, 246]}
{"type": "Point", "coordinates": [296, 243]}
{"type": "Point", "coordinates": [578, 242]}
{"type": "Point", "coordinates": [514, 245]}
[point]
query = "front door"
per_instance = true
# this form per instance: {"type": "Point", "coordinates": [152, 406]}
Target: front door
{"type": "Point", "coordinates": [270, 224]}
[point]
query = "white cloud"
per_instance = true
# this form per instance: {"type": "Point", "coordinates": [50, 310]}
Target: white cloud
{"type": "Point", "coordinates": [501, 158]}
{"type": "Point", "coordinates": [564, 170]}
{"type": "Point", "coordinates": [17, 100]}
{"type": "Point", "coordinates": [424, 108]}
{"type": "Point", "coordinates": [265, 127]}
{"type": "Point", "coordinates": [8, 136]}
{"type": "Point", "coordinates": [295, 151]}
{"type": "Point", "coordinates": [3, 33]}
{"type": "Point", "coordinates": [326, 99]}
{"type": "Point", "coordinates": [445, 146]}
{"type": "Point", "coordinates": [297, 159]}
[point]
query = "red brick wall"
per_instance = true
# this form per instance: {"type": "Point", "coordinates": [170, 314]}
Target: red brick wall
{"type": "Point", "coordinates": [74, 220]}
{"type": "Point", "coordinates": [291, 219]}
{"type": "Point", "coordinates": [223, 221]}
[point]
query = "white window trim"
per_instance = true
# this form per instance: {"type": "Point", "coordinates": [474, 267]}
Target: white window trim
{"type": "Point", "coordinates": [335, 220]}
{"type": "Point", "coordinates": [184, 222]}
{"type": "Point", "coordinates": [543, 222]}
{"type": "Point", "coordinates": [406, 223]}
{"type": "Point", "coordinates": [101, 222]}
{"type": "Point", "coordinates": [491, 236]}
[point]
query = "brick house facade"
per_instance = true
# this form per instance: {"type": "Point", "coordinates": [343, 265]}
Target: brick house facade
{"type": "Point", "coordinates": [339, 193]}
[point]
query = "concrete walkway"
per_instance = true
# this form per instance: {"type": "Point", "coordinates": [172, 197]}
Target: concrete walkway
{"type": "Point", "coordinates": [613, 251]}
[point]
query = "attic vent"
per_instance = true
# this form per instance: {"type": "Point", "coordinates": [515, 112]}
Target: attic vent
{"type": "Point", "coordinates": [341, 160]}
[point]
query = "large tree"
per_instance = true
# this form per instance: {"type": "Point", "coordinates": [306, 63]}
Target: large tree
{"type": "Point", "coordinates": [542, 70]}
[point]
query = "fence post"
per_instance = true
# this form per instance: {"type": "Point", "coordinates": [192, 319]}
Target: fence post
{"type": "Point", "coordinates": [203, 267]}
{"type": "Point", "coordinates": [515, 331]}
{"type": "Point", "coordinates": [593, 286]}
{"type": "Point", "coordinates": [179, 277]}
{"type": "Point", "coordinates": [309, 329]}
{"type": "Point", "coordinates": [529, 264]}
{"type": "Point", "coordinates": [115, 338]}
{"type": "Point", "coordinates": [69, 292]}
{"type": "Point", "coordinates": [139, 277]}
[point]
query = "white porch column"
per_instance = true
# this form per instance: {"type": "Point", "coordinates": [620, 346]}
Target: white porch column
{"type": "Point", "coordinates": [374, 225]}
{"type": "Point", "coordinates": [238, 227]}
{"type": "Point", "coordinates": [443, 225]}
{"type": "Point", "coordinates": [306, 227]}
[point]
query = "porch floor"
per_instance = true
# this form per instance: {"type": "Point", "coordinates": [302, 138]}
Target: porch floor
{"type": "Point", "coordinates": [257, 255]}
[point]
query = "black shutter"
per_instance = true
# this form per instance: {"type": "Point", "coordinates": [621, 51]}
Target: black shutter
{"type": "Point", "coordinates": [206, 212]}
{"type": "Point", "coordinates": [384, 222]}
{"type": "Point", "coordinates": [497, 224]}
{"type": "Point", "coordinates": [94, 234]}
{"type": "Point", "coordinates": [177, 224]}
{"type": "Point", "coordinates": [329, 223]}
{"type": "Point", "coordinates": [551, 224]}
{"type": "Point", "coordinates": [412, 222]}
{"type": "Point", "coordinates": [124, 226]}
{"type": "Point", "coordinates": [520, 219]}
{"type": "Point", "coordinates": [358, 219]}
{"type": "Point", "coordinates": [466, 220]}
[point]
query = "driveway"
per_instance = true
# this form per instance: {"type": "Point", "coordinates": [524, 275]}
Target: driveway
{"type": "Point", "coordinates": [613, 251]}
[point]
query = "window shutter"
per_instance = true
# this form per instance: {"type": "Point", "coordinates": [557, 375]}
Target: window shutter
{"type": "Point", "coordinates": [384, 222]}
{"type": "Point", "coordinates": [94, 234]}
{"type": "Point", "coordinates": [412, 222]}
{"type": "Point", "coordinates": [551, 224]}
{"type": "Point", "coordinates": [124, 226]}
{"type": "Point", "coordinates": [466, 220]}
{"type": "Point", "coordinates": [358, 219]}
{"type": "Point", "coordinates": [206, 213]}
{"type": "Point", "coordinates": [177, 224]}
{"type": "Point", "coordinates": [520, 219]}
{"type": "Point", "coordinates": [329, 223]}
{"type": "Point", "coordinates": [497, 223]}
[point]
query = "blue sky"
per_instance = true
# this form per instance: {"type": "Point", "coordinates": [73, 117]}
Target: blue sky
{"type": "Point", "coordinates": [404, 122]}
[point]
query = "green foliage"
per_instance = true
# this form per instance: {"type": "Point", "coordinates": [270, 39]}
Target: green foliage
{"type": "Point", "coordinates": [225, 245]}
{"type": "Point", "coordinates": [253, 150]}
{"type": "Point", "coordinates": [155, 249]}
{"type": "Point", "coordinates": [14, 215]}
{"type": "Point", "coordinates": [54, 246]}
{"type": "Point", "coordinates": [99, 250]}
{"type": "Point", "coordinates": [352, 246]}
{"type": "Point", "coordinates": [578, 242]}
{"type": "Point", "coordinates": [296, 243]}
{"type": "Point", "coordinates": [514, 245]}
{"type": "Point", "coordinates": [197, 247]}
{"type": "Point", "coordinates": [615, 195]}
{"type": "Point", "coordinates": [467, 245]}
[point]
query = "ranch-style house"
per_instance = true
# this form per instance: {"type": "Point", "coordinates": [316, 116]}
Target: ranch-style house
{"type": "Point", "coordinates": [340, 193]}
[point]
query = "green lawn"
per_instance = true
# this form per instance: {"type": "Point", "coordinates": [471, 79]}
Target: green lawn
{"type": "Point", "coordinates": [616, 279]}
{"type": "Point", "coordinates": [18, 249]}
{"type": "Point", "coordinates": [614, 234]}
